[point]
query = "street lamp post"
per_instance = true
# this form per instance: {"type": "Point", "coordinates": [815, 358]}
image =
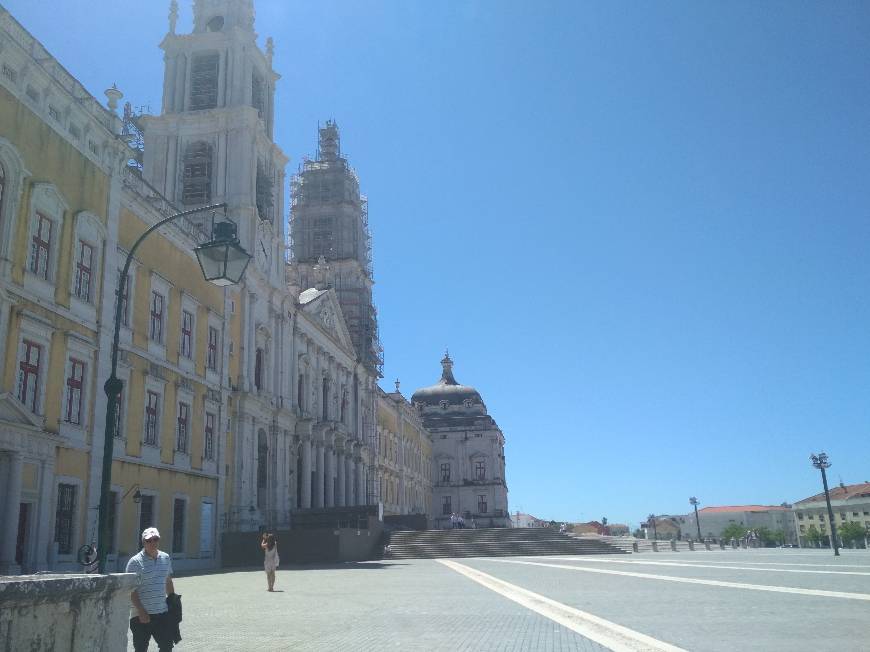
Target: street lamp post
{"type": "Point", "coordinates": [821, 462]}
{"type": "Point", "coordinates": [223, 262]}
{"type": "Point", "coordinates": [694, 502]}
{"type": "Point", "coordinates": [652, 519]}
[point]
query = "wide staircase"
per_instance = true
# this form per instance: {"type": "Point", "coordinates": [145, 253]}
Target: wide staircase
{"type": "Point", "coordinates": [491, 542]}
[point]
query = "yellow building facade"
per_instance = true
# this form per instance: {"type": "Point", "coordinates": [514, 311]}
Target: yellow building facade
{"type": "Point", "coordinates": [70, 210]}
{"type": "Point", "coordinates": [404, 457]}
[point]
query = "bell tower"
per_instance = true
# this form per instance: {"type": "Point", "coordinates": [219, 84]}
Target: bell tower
{"type": "Point", "coordinates": [212, 141]}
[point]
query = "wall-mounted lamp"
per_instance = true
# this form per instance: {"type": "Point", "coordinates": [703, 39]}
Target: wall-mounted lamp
{"type": "Point", "coordinates": [137, 497]}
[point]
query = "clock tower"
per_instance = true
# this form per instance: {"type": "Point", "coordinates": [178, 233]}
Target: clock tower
{"type": "Point", "coordinates": [212, 141]}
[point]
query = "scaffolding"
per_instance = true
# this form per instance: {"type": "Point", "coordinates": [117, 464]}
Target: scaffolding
{"type": "Point", "coordinates": [329, 218]}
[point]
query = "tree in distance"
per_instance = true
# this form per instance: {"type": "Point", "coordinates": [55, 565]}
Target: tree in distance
{"type": "Point", "coordinates": [852, 534]}
{"type": "Point", "coordinates": [734, 531]}
{"type": "Point", "coordinates": [813, 536]}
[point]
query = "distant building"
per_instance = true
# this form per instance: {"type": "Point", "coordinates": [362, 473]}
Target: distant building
{"type": "Point", "coordinates": [527, 520]}
{"type": "Point", "coordinates": [714, 520]}
{"type": "Point", "coordinates": [850, 503]}
{"type": "Point", "coordinates": [592, 527]}
{"type": "Point", "coordinates": [618, 529]}
{"type": "Point", "coordinates": [467, 453]}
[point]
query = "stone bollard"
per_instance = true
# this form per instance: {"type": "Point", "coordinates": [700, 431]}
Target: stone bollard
{"type": "Point", "coordinates": [691, 545]}
{"type": "Point", "coordinates": [65, 612]}
{"type": "Point", "coordinates": [634, 546]}
{"type": "Point", "coordinates": [707, 545]}
{"type": "Point", "coordinates": [655, 546]}
{"type": "Point", "coordinates": [674, 545]}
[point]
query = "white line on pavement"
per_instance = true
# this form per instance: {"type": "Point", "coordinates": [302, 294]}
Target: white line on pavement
{"type": "Point", "coordinates": [586, 559]}
{"type": "Point", "coordinates": [691, 580]}
{"type": "Point", "coordinates": [609, 634]}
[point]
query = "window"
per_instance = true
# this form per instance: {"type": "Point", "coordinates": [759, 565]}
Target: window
{"type": "Point", "coordinates": [10, 74]}
{"type": "Point", "coordinates": [28, 375]}
{"type": "Point", "coordinates": [842, 516]}
{"type": "Point", "coordinates": [125, 298]}
{"type": "Point", "coordinates": [146, 513]}
{"type": "Point", "coordinates": [183, 428]}
{"type": "Point", "coordinates": [196, 186]}
{"type": "Point", "coordinates": [204, 82]}
{"type": "Point", "coordinates": [821, 517]}
{"type": "Point", "coordinates": [84, 271]}
{"type": "Point", "coordinates": [40, 246]}
{"type": "Point", "coordinates": [445, 471]}
{"type": "Point", "coordinates": [178, 509]}
{"type": "Point", "coordinates": [74, 389]}
{"type": "Point", "coordinates": [152, 413]}
{"type": "Point", "coordinates": [300, 391]}
{"type": "Point", "coordinates": [156, 329]}
{"type": "Point", "coordinates": [811, 517]}
{"type": "Point", "coordinates": [64, 518]}
{"type": "Point", "coordinates": [446, 505]}
{"type": "Point", "coordinates": [803, 528]}
{"type": "Point", "coordinates": [75, 132]}
{"type": "Point", "coordinates": [208, 443]}
{"type": "Point", "coordinates": [186, 334]}
{"type": "Point", "coordinates": [481, 504]}
{"type": "Point", "coordinates": [800, 516]}
{"type": "Point", "coordinates": [480, 470]}
{"type": "Point", "coordinates": [211, 357]}
{"type": "Point", "coordinates": [119, 416]}
{"type": "Point", "coordinates": [258, 94]}
{"type": "Point", "coordinates": [258, 369]}
{"type": "Point", "coordinates": [93, 147]}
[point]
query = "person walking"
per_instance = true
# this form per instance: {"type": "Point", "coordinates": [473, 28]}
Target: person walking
{"type": "Point", "coordinates": [269, 544]}
{"type": "Point", "coordinates": [153, 569]}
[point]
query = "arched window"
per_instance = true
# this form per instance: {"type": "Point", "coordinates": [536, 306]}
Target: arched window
{"type": "Point", "coordinates": [262, 456]}
{"type": "Point", "coordinates": [196, 184]}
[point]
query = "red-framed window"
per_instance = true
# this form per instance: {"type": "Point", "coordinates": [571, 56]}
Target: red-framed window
{"type": "Point", "coordinates": [28, 375]}
{"type": "Point", "coordinates": [183, 434]}
{"type": "Point", "coordinates": [84, 271]}
{"type": "Point", "coordinates": [211, 357]}
{"type": "Point", "coordinates": [40, 246]}
{"type": "Point", "coordinates": [152, 414]}
{"type": "Point", "coordinates": [157, 307]}
{"type": "Point", "coordinates": [74, 391]}
{"type": "Point", "coordinates": [186, 334]}
{"type": "Point", "coordinates": [208, 444]}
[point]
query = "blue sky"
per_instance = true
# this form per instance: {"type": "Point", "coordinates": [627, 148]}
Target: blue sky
{"type": "Point", "coordinates": [640, 228]}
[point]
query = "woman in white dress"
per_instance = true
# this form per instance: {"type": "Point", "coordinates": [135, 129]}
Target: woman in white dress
{"type": "Point", "coordinates": [269, 544]}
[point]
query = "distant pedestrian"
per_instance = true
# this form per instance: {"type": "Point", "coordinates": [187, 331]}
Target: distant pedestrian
{"type": "Point", "coordinates": [153, 569]}
{"type": "Point", "coordinates": [452, 521]}
{"type": "Point", "coordinates": [269, 544]}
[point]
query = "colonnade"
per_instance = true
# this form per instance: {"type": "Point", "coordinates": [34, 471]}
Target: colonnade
{"type": "Point", "coordinates": [337, 475]}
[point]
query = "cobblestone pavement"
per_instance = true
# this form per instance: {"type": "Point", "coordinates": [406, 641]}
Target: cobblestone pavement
{"type": "Point", "coordinates": [706, 601]}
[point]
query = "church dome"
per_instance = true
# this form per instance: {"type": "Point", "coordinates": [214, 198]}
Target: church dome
{"type": "Point", "coordinates": [446, 389]}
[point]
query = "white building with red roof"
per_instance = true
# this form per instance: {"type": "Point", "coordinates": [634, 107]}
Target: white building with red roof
{"type": "Point", "coordinates": [850, 503]}
{"type": "Point", "coordinates": [714, 520]}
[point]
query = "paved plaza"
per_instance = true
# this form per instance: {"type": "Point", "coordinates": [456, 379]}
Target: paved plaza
{"type": "Point", "coordinates": [708, 601]}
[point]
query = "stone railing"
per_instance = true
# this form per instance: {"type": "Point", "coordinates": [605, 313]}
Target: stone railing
{"type": "Point", "coordinates": [65, 612]}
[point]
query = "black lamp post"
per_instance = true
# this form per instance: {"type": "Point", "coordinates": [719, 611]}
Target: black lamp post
{"type": "Point", "coordinates": [223, 262]}
{"type": "Point", "coordinates": [652, 520]}
{"type": "Point", "coordinates": [821, 462]}
{"type": "Point", "coordinates": [694, 502]}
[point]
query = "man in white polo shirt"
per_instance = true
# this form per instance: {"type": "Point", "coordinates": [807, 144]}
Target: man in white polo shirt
{"type": "Point", "coordinates": [153, 570]}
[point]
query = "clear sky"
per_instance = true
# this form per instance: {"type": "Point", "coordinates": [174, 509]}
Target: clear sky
{"type": "Point", "coordinates": [640, 228]}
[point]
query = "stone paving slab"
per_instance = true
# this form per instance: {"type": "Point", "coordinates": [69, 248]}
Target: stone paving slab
{"type": "Point", "coordinates": [423, 605]}
{"type": "Point", "coordinates": [401, 605]}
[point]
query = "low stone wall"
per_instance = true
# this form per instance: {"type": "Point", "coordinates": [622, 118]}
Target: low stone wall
{"type": "Point", "coordinates": [61, 613]}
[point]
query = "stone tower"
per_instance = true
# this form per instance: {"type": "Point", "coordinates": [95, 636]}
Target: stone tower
{"type": "Point", "coordinates": [329, 220]}
{"type": "Point", "coordinates": [212, 141]}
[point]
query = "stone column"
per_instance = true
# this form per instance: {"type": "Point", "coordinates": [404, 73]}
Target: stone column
{"type": "Point", "coordinates": [329, 500]}
{"type": "Point", "coordinates": [318, 476]}
{"type": "Point", "coordinates": [351, 482]}
{"type": "Point", "coordinates": [45, 522]}
{"type": "Point", "coordinates": [306, 473]}
{"type": "Point", "coordinates": [340, 471]}
{"type": "Point", "coordinates": [360, 482]}
{"type": "Point", "coordinates": [9, 535]}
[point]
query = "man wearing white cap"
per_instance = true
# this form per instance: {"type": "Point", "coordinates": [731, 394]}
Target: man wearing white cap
{"type": "Point", "coordinates": [153, 570]}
